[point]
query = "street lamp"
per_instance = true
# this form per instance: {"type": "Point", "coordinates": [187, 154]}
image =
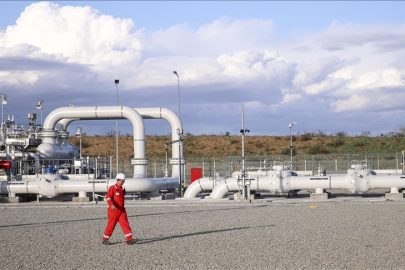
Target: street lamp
{"type": "Point", "coordinates": [39, 107]}
{"type": "Point", "coordinates": [80, 135]}
{"type": "Point", "coordinates": [3, 102]}
{"type": "Point", "coordinates": [178, 88]}
{"type": "Point", "coordinates": [246, 187]}
{"type": "Point", "coordinates": [291, 147]}
{"type": "Point", "coordinates": [117, 131]}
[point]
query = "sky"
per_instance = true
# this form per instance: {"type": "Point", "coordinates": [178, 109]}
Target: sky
{"type": "Point", "coordinates": [330, 66]}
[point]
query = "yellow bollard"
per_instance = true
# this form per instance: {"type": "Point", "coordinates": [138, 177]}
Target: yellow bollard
{"type": "Point", "coordinates": [313, 206]}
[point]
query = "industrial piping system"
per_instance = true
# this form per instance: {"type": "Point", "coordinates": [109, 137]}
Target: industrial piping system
{"type": "Point", "coordinates": [54, 138]}
{"type": "Point", "coordinates": [359, 179]}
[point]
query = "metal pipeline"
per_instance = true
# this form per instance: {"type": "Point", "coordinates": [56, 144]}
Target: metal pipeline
{"type": "Point", "coordinates": [152, 113]}
{"type": "Point", "coordinates": [356, 181]}
{"type": "Point", "coordinates": [52, 185]}
{"type": "Point", "coordinates": [198, 186]}
{"type": "Point", "coordinates": [46, 149]}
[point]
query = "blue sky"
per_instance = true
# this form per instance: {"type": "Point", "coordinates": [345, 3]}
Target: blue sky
{"type": "Point", "coordinates": [326, 65]}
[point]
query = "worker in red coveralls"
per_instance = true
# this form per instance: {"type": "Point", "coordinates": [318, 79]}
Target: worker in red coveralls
{"type": "Point", "coordinates": [116, 211]}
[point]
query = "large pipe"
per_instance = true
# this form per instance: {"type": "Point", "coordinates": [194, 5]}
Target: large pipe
{"type": "Point", "coordinates": [356, 181]}
{"type": "Point", "coordinates": [152, 113]}
{"type": "Point", "coordinates": [51, 185]}
{"type": "Point", "coordinates": [96, 113]}
{"type": "Point", "coordinates": [198, 186]}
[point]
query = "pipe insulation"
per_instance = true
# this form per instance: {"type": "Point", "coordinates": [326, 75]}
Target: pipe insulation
{"type": "Point", "coordinates": [45, 150]}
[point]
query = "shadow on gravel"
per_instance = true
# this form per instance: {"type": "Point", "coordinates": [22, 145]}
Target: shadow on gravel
{"type": "Point", "coordinates": [147, 241]}
{"type": "Point", "coordinates": [105, 218]}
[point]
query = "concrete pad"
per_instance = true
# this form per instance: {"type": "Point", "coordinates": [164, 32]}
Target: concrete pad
{"type": "Point", "coordinates": [190, 199]}
{"type": "Point", "coordinates": [394, 195]}
{"type": "Point", "coordinates": [323, 196]}
{"type": "Point", "coordinates": [12, 200]}
{"type": "Point", "coordinates": [80, 199]}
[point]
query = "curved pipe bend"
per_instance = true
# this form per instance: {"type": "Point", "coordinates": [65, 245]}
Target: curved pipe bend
{"type": "Point", "coordinates": [198, 186]}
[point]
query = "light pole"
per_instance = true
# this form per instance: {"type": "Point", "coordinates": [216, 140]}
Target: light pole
{"type": "Point", "coordinates": [117, 131]}
{"type": "Point", "coordinates": [243, 131]}
{"type": "Point", "coordinates": [178, 89]}
{"type": "Point", "coordinates": [39, 107]}
{"type": "Point", "coordinates": [291, 147]}
{"type": "Point", "coordinates": [3, 102]}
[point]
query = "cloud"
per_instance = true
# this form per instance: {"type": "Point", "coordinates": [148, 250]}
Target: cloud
{"type": "Point", "coordinates": [81, 34]}
{"type": "Point", "coordinates": [210, 40]}
{"type": "Point", "coordinates": [222, 64]}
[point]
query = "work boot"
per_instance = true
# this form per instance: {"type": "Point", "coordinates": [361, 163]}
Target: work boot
{"type": "Point", "coordinates": [132, 241]}
{"type": "Point", "coordinates": [106, 242]}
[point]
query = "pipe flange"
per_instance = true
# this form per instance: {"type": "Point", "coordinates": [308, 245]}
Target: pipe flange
{"type": "Point", "coordinates": [63, 134]}
{"type": "Point", "coordinates": [139, 161]}
{"type": "Point", "coordinates": [175, 161]}
{"type": "Point", "coordinates": [49, 133]}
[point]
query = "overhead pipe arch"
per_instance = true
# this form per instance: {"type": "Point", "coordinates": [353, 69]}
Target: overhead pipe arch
{"type": "Point", "coordinates": [152, 113]}
{"type": "Point", "coordinates": [69, 114]}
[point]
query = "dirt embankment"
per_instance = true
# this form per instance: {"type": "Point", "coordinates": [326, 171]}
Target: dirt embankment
{"type": "Point", "coordinates": [213, 145]}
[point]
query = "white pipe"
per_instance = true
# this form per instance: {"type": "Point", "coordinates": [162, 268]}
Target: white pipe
{"type": "Point", "coordinates": [100, 113]}
{"type": "Point", "coordinates": [152, 113]}
{"type": "Point", "coordinates": [52, 185]}
{"type": "Point", "coordinates": [198, 186]}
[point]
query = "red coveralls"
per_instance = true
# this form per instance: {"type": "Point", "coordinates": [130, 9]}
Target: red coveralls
{"type": "Point", "coordinates": [115, 196]}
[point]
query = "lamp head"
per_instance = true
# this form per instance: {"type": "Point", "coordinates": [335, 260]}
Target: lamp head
{"type": "Point", "coordinates": [39, 104]}
{"type": "Point", "coordinates": [79, 132]}
{"type": "Point", "coordinates": [175, 72]}
{"type": "Point", "coordinates": [117, 81]}
{"type": "Point", "coordinates": [292, 124]}
{"type": "Point", "coordinates": [3, 99]}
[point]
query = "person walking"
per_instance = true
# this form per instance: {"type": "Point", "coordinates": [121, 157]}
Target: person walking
{"type": "Point", "coordinates": [116, 211]}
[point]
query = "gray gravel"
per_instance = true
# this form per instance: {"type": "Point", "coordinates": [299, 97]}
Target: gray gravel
{"type": "Point", "coordinates": [341, 234]}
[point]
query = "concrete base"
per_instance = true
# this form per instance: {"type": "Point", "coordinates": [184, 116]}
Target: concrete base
{"type": "Point", "coordinates": [394, 195]}
{"type": "Point", "coordinates": [81, 199]}
{"type": "Point", "coordinates": [190, 199]}
{"type": "Point", "coordinates": [12, 200]}
{"type": "Point", "coordinates": [316, 196]}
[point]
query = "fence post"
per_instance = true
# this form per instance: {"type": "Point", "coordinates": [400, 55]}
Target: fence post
{"type": "Point", "coordinates": [396, 158]}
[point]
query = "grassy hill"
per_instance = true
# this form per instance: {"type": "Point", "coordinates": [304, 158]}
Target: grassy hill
{"type": "Point", "coordinates": [222, 145]}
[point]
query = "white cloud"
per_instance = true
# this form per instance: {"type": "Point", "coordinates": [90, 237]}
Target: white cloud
{"type": "Point", "coordinates": [81, 34]}
{"type": "Point", "coordinates": [290, 98]}
{"type": "Point", "coordinates": [344, 67]}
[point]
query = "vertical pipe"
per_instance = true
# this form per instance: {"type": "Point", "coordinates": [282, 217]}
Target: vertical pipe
{"type": "Point", "coordinates": [402, 160]}
{"type": "Point", "coordinates": [110, 167]}
{"type": "Point", "coordinates": [244, 195]}
{"type": "Point", "coordinates": [155, 166]}
{"type": "Point", "coordinates": [396, 159]}
{"type": "Point", "coordinates": [203, 167]}
{"type": "Point", "coordinates": [178, 88]}
{"type": "Point", "coordinates": [117, 131]}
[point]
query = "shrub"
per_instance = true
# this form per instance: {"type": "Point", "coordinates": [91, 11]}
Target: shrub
{"type": "Point", "coordinates": [317, 149]}
{"type": "Point", "coordinates": [287, 152]}
{"type": "Point", "coordinates": [359, 144]}
{"type": "Point", "coordinates": [305, 137]}
{"type": "Point", "coordinates": [337, 142]}
{"type": "Point", "coordinates": [339, 134]}
{"type": "Point", "coordinates": [320, 133]}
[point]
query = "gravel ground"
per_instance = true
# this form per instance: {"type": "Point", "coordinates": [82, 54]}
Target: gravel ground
{"type": "Point", "coordinates": [350, 234]}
